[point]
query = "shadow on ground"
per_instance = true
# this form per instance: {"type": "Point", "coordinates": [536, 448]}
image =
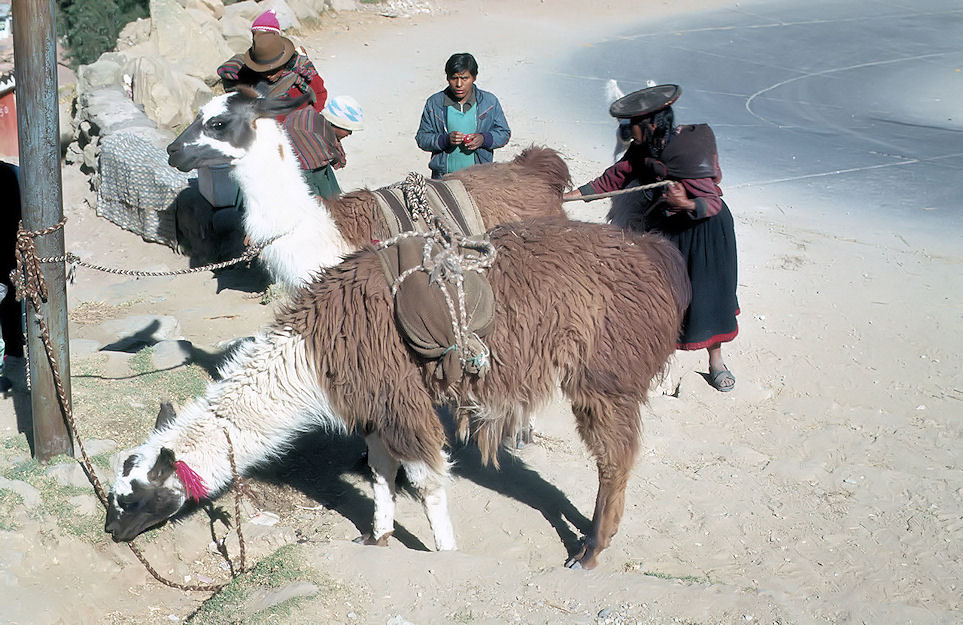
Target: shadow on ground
{"type": "Point", "coordinates": [325, 466]}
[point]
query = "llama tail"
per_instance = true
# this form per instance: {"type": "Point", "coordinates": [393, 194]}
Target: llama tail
{"type": "Point", "coordinates": [547, 164]}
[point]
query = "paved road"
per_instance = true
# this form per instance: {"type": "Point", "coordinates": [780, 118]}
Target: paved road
{"type": "Point", "coordinates": [859, 102]}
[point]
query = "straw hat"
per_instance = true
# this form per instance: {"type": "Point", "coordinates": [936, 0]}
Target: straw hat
{"type": "Point", "coordinates": [270, 51]}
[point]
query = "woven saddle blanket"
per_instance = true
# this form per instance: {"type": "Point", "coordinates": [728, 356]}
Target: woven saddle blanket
{"type": "Point", "coordinates": [446, 198]}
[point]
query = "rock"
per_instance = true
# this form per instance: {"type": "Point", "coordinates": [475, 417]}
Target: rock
{"type": "Point", "coordinates": [30, 495]}
{"type": "Point", "coordinates": [139, 330]}
{"type": "Point", "coordinates": [307, 9]}
{"type": "Point", "coordinates": [69, 474]}
{"type": "Point", "coordinates": [236, 31]}
{"type": "Point", "coordinates": [214, 7]}
{"type": "Point", "coordinates": [197, 55]}
{"type": "Point", "coordinates": [89, 156]}
{"type": "Point", "coordinates": [106, 71]}
{"type": "Point", "coordinates": [86, 505]}
{"type": "Point", "coordinates": [247, 10]}
{"type": "Point", "coordinates": [81, 348]}
{"type": "Point", "coordinates": [171, 354]}
{"type": "Point", "coordinates": [287, 18]}
{"type": "Point", "coordinates": [74, 154]}
{"type": "Point", "coordinates": [97, 446]}
{"type": "Point", "coordinates": [66, 94]}
{"type": "Point", "coordinates": [108, 110]}
{"type": "Point", "coordinates": [342, 5]}
{"type": "Point", "coordinates": [117, 364]}
{"type": "Point", "coordinates": [134, 34]}
{"type": "Point", "coordinates": [168, 97]}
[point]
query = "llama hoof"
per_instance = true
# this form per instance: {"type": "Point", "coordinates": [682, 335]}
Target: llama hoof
{"type": "Point", "coordinates": [584, 559]}
{"type": "Point", "coordinates": [581, 563]}
{"type": "Point", "coordinates": [524, 438]}
{"type": "Point", "coordinates": [368, 539]}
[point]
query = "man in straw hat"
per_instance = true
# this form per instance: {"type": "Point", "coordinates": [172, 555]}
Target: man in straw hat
{"type": "Point", "coordinates": [689, 211]}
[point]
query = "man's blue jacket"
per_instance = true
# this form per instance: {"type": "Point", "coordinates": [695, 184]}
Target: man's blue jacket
{"type": "Point", "coordinates": [433, 132]}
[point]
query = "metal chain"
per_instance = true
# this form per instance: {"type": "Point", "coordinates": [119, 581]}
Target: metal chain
{"type": "Point", "coordinates": [30, 284]}
{"type": "Point", "coordinates": [69, 257]}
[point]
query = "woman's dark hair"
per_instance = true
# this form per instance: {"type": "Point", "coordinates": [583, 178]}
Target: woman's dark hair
{"type": "Point", "coordinates": [460, 62]}
{"type": "Point", "coordinates": [664, 121]}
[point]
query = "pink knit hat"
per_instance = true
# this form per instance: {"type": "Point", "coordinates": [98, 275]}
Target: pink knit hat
{"type": "Point", "coordinates": [266, 22]}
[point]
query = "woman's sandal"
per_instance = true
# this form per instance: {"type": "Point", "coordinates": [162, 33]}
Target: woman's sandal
{"type": "Point", "coordinates": [719, 378]}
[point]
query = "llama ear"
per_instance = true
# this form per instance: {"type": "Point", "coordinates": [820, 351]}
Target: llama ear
{"type": "Point", "coordinates": [272, 107]}
{"type": "Point", "coordinates": [165, 416]}
{"type": "Point", "coordinates": [249, 92]}
{"type": "Point", "coordinates": [262, 89]}
{"type": "Point", "coordinates": [163, 468]}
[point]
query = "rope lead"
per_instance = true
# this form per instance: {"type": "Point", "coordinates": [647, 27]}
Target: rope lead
{"type": "Point", "coordinates": [30, 285]}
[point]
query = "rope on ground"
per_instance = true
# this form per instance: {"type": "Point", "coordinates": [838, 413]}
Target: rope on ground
{"type": "Point", "coordinates": [598, 196]}
{"type": "Point", "coordinates": [30, 284]}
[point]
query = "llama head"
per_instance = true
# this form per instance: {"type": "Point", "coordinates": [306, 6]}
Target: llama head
{"type": "Point", "coordinates": [223, 130]}
{"type": "Point", "coordinates": [148, 489]}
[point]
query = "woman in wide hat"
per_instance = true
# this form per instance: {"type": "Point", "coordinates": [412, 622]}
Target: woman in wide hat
{"type": "Point", "coordinates": [689, 211]}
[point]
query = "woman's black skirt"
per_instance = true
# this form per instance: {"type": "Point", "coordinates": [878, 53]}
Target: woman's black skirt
{"type": "Point", "coordinates": [709, 249]}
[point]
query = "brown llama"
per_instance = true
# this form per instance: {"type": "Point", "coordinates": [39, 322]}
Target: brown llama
{"type": "Point", "coordinates": [587, 307]}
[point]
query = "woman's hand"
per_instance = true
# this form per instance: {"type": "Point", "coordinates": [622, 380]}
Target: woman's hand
{"type": "Point", "coordinates": [677, 198]}
{"type": "Point", "coordinates": [455, 137]}
{"type": "Point", "coordinates": [574, 193]}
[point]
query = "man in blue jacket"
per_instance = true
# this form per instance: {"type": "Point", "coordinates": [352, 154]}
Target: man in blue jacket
{"type": "Point", "coordinates": [461, 125]}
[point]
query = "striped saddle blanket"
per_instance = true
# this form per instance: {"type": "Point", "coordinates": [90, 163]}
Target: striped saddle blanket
{"type": "Point", "coordinates": [446, 198]}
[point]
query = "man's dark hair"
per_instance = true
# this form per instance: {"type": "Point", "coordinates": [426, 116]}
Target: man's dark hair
{"type": "Point", "coordinates": [460, 62]}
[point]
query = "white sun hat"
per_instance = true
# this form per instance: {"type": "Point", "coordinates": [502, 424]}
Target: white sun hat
{"type": "Point", "coordinates": [344, 111]}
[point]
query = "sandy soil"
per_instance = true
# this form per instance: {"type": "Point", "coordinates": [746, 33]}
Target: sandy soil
{"type": "Point", "coordinates": [824, 489]}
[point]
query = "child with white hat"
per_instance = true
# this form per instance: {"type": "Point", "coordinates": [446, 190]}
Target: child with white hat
{"type": "Point", "coordinates": [319, 137]}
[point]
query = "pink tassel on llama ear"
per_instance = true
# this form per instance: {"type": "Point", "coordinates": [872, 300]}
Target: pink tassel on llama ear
{"type": "Point", "coordinates": [194, 484]}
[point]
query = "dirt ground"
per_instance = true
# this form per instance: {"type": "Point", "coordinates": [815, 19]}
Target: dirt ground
{"type": "Point", "coordinates": [824, 489]}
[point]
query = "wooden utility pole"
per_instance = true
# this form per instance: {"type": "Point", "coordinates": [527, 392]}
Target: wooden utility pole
{"type": "Point", "coordinates": [41, 190]}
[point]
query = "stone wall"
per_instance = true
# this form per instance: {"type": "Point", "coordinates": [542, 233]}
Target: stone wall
{"type": "Point", "coordinates": [148, 89]}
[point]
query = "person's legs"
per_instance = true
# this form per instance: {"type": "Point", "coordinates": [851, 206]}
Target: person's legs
{"type": "Point", "coordinates": [719, 375]}
{"type": "Point", "coordinates": [322, 182]}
